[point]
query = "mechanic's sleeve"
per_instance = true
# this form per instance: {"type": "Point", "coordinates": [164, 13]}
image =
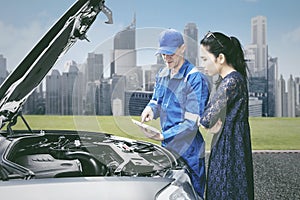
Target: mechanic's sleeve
{"type": "Point", "coordinates": [197, 95]}
{"type": "Point", "coordinates": [153, 103]}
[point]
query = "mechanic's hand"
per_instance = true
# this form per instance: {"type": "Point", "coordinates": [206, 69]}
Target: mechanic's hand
{"type": "Point", "coordinates": [147, 114]}
{"type": "Point", "coordinates": [152, 134]}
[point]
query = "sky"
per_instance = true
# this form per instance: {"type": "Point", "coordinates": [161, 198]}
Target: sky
{"type": "Point", "coordinates": [23, 23]}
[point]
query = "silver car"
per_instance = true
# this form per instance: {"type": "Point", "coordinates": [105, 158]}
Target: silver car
{"type": "Point", "coordinates": [56, 164]}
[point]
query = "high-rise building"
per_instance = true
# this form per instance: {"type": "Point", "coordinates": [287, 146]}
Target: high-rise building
{"type": "Point", "coordinates": [53, 93]}
{"type": "Point", "coordinates": [90, 104]}
{"type": "Point", "coordinates": [118, 87]}
{"type": "Point", "coordinates": [94, 67]}
{"type": "Point", "coordinates": [123, 65]}
{"type": "Point", "coordinates": [124, 52]}
{"type": "Point", "coordinates": [272, 86]}
{"type": "Point", "coordinates": [262, 76]}
{"type": "Point", "coordinates": [259, 45]}
{"type": "Point", "coordinates": [104, 98]}
{"type": "Point", "coordinates": [191, 43]}
{"type": "Point", "coordinates": [71, 89]}
{"type": "Point", "coordinates": [291, 95]}
{"type": "Point", "coordinates": [281, 99]}
{"type": "Point", "coordinates": [64, 93]}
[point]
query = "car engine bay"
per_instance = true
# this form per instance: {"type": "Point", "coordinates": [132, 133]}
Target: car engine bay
{"type": "Point", "coordinates": [75, 155]}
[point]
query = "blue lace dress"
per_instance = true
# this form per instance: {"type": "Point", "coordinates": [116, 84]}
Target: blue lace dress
{"type": "Point", "coordinates": [230, 167]}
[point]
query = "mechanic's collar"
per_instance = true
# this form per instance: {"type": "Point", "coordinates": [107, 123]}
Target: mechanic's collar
{"type": "Point", "coordinates": [167, 72]}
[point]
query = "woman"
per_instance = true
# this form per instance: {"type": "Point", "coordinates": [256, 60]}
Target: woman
{"type": "Point", "coordinates": [230, 167]}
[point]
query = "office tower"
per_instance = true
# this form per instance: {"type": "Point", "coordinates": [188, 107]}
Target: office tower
{"type": "Point", "coordinates": [78, 91]}
{"type": "Point", "coordinates": [271, 85]}
{"type": "Point", "coordinates": [53, 93]}
{"type": "Point", "coordinates": [103, 98]}
{"type": "Point", "coordinates": [191, 43]}
{"type": "Point", "coordinates": [90, 105]}
{"type": "Point", "coordinates": [256, 55]}
{"type": "Point", "coordinates": [287, 96]}
{"type": "Point", "coordinates": [123, 65]}
{"type": "Point", "coordinates": [124, 52]}
{"type": "Point", "coordinates": [259, 45]}
{"type": "Point", "coordinates": [3, 69]}
{"type": "Point", "coordinates": [281, 98]}
{"type": "Point", "coordinates": [94, 67]}
{"type": "Point", "coordinates": [291, 96]}
{"type": "Point", "coordinates": [118, 94]}
{"type": "Point", "coordinates": [71, 94]}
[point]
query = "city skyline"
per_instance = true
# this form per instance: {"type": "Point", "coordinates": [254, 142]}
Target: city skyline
{"type": "Point", "coordinates": [26, 26]}
{"type": "Point", "coordinates": [127, 86]}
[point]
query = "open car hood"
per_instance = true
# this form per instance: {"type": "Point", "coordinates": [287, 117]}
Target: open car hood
{"type": "Point", "coordinates": [72, 26]}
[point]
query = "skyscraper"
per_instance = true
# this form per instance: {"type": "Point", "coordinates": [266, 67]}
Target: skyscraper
{"type": "Point", "coordinates": [291, 95]}
{"type": "Point", "coordinates": [124, 52]}
{"type": "Point", "coordinates": [281, 98]}
{"type": "Point", "coordinates": [53, 93]}
{"type": "Point", "coordinates": [259, 45]}
{"type": "Point", "coordinates": [94, 67]}
{"type": "Point", "coordinates": [191, 43]}
{"type": "Point", "coordinates": [103, 98]}
{"type": "Point", "coordinates": [261, 78]}
{"type": "Point", "coordinates": [123, 64]}
{"type": "Point", "coordinates": [71, 90]}
{"type": "Point", "coordinates": [272, 86]}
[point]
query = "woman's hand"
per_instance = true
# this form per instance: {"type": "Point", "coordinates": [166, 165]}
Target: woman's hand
{"type": "Point", "coordinates": [216, 128]}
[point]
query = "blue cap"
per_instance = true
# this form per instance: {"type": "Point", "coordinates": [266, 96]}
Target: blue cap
{"type": "Point", "coordinates": [169, 41]}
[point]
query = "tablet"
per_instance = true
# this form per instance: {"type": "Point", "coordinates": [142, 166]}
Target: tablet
{"type": "Point", "coordinates": [148, 128]}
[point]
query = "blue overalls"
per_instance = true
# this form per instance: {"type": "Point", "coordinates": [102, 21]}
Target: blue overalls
{"type": "Point", "coordinates": [179, 101]}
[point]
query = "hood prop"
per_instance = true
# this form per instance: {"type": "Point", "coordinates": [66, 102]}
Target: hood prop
{"type": "Point", "coordinates": [14, 121]}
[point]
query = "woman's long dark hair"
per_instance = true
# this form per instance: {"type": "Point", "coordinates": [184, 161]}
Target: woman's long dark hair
{"type": "Point", "coordinates": [216, 43]}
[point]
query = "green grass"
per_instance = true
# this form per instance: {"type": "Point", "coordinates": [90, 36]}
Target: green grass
{"type": "Point", "coordinates": [266, 133]}
{"type": "Point", "coordinates": [275, 133]}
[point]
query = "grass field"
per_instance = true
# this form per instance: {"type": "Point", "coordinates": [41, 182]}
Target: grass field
{"type": "Point", "coordinates": [266, 133]}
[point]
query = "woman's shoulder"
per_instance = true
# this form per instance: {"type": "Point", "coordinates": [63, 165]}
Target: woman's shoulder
{"type": "Point", "coordinates": [234, 76]}
{"type": "Point", "coordinates": [232, 80]}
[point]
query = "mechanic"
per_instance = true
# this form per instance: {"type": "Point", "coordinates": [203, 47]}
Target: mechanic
{"type": "Point", "coordinates": [180, 95]}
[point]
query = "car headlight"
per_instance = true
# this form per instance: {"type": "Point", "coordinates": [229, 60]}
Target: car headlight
{"type": "Point", "coordinates": [180, 189]}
